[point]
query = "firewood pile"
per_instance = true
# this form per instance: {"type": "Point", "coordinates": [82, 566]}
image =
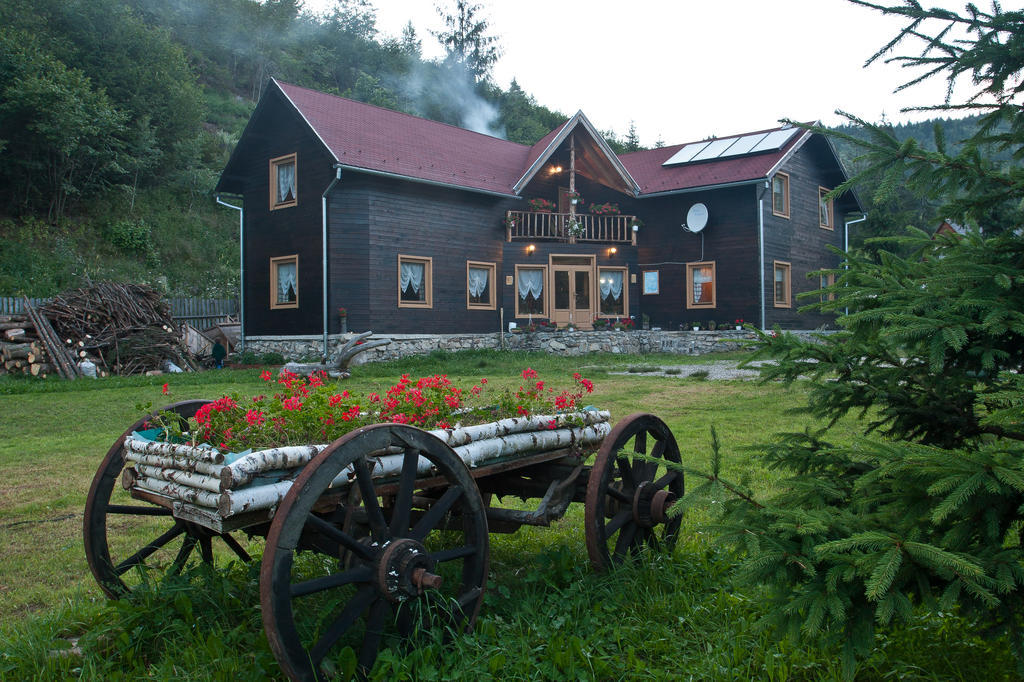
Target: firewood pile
{"type": "Point", "coordinates": [122, 328]}
{"type": "Point", "coordinates": [21, 349]}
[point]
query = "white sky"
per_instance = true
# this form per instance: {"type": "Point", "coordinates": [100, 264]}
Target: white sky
{"type": "Point", "coordinates": [687, 69]}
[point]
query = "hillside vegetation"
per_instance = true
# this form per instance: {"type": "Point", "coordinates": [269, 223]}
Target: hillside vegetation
{"type": "Point", "coordinates": [116, 117]}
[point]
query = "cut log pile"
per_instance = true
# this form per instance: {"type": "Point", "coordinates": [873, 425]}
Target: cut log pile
{"type": "Point", "coordinates": [230, 484]}
{"type": "Point", "coordinates": [121, 328]}
{"type": "Point", "coordinates": [21, 349]}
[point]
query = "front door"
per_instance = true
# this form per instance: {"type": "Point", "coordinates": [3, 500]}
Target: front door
{"type": "Point", "coordinates": [572, 288]}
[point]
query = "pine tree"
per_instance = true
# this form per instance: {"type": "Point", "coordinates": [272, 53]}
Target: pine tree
{"type": "Point", "coordinates": [466, 40]}
{"type": "Point", "coordinates": [927, 507]}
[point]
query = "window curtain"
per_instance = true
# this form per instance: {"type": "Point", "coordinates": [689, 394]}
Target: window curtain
{"type": "Point", "coordinates": [531, 283]}
{"type": "Point", "coordinates": [285, 182]}
{"type": "Point", "coordinates": [702, 285]}
{"type": "Point", "coordinates": [611, 284]}
{"type": "Point", "coordinates": [286, 284]}
{"type": "Point", "coordinates": [477, 281]}
{"type": "Point", "coordinates": [411, 276]}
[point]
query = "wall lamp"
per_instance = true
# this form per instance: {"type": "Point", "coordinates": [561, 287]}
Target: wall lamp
{"type": "Point", "coordinates": [531, 248]}
{"type": "Point", "coordinates": [612, 251]}
{"type": "Point", "coordinates": [554, 169]}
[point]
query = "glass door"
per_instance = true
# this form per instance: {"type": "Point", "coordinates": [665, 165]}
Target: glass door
{"type": "Point", "coordinates": [572, 296]}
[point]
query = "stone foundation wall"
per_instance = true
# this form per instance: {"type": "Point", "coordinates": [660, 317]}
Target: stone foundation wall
{"type": "Point", "coordinates": [561, 342]}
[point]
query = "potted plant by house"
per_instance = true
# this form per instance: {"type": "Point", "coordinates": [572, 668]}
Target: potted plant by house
{"type": "Point", "coordinates": [574, 229]}
{"type": "Point", "coordinates": [739, 323]}
{"type": "Point", "coordinates": [646, 319]}
{"type": "Point", "coordinates": [574, 198]}
{"type": "Point", "coordinates": [712, 325]}
{"type": "Point", "coordinates": [696, 326]}
{"type": "Point", "coordinates": [600, 323]}
{"type": "Point", "coordinates": [343, 316]}
{"type": "Point", "coordinates": [539, 205]}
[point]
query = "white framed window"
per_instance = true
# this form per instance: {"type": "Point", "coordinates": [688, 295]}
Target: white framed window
{"type": "Point", "coordinates": [825, 210]}
{"type": "Point", "coordinates": [651, 282]}
{"type": "Point", "coordinates": [613, 294]}
{"type": "Point", "coordinates": [415, 282]}
{"type": "Point", "coordinates": [284, 282]}
{"type": "Point", "coordinates": [283, 182]}
{"type": "Point", "coordinates": [700, 285]}
{"type": "Point", "coordinates": [783, 285]}
{"type": "Point", "coordinates": [530, 298]}
{"type": "Point", "coordinates": [480, 279]}
{"type": "Point", "coordinates": [780, 195]}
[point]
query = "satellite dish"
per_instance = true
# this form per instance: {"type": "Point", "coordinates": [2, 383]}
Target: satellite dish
{"type": "Point", "coordinates": [696, 218]}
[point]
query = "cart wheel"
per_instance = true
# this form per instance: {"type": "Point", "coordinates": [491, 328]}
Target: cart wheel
{"type": "Point", "coordinates": [122, 533]}
{"type": "Point", "coordinates": [628, 498]}
{"type": "Point", "coordinates": [387, 558]}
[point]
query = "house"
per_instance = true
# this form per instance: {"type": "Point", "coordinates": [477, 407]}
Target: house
{"type": "Point", "coordinates": [415, 226]}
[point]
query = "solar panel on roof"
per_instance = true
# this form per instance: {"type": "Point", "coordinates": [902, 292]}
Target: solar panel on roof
{"type": "Point", "coordinates": [743, 145]}
{"type": "Point", "coordinates": [714, 149]}
{"type": "Point", "coordinates": [686, 153]}
{"type": "Point", "coordinates": [774, 140]}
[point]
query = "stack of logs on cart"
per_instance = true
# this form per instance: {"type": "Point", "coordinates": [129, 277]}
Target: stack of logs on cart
{"type": "Point", "coordinates": [21, 349]}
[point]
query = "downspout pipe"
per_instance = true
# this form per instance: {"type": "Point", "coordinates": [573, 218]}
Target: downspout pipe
{"type": "Point", "coordinates": [241, 269]}
{"type": "Point", "coordinates": [323, 242]}
{"type": "Point", "coordinates": [760, 248]}
{"type": "Point", "coordinates": [846, 239]}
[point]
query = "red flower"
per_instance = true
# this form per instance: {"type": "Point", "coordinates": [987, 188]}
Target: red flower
{"type": "Point", "coordinates": [522, 411]}
{"type": "Point", "coordinates": [265, 375]}
{"type": "Point", "coordinates": [529, 373]}
{"type": "Point", "coordinates": [552, 424]}
{"type": "Point", "coordinates": [334, 400]}
{"type": "Point", "coordinates": [165, 390]}
{"type": "Point", "coordinates": [373, 398]}
{"type": "Point", "coordinates": [254, 417]}
{"type": "Point", "coordinates": [292, 403]}
{"type": "Point", "coordinates": [540, 385]}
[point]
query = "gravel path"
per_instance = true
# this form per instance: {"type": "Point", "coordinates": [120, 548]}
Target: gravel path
{"type": "Point", "coordinates": [721, 369]}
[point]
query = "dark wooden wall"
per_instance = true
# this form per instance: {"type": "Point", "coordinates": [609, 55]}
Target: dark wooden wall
{"type": "Point", "coordinates": [277, 130]}
{"type": "Point", "coordinates": [799, 240]}
{"type": "Point", "coordinates": [374, 219]}
{"type": "Point", "coordinates": [729, 239]}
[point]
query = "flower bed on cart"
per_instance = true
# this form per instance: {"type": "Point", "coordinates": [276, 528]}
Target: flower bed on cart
{"type": "Point", "coordinates": [241, 454]}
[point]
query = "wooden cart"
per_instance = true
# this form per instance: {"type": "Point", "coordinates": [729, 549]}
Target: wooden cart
{"type": "Point", "coordinates": [359, 557]}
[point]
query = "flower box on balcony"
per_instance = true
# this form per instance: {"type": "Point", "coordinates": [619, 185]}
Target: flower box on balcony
{"type": "Point", "coordinates": [541, 205]}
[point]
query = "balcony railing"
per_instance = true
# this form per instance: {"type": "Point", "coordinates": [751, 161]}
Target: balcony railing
{"type": "Point", "coordinates": [555, 226]}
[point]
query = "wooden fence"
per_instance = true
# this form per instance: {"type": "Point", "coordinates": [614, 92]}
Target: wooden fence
{"type": "Point", "coordinates": [198, 312]}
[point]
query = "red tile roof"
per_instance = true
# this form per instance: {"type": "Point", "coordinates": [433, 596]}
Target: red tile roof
{"type": "Point", "coordinates": [377, 139]}
{"type": "Point", "coordinates": [370, 137]}
{"type": "Point", "coordinates": [645, 167]}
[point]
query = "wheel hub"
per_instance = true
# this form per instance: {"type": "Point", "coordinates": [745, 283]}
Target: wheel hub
{"type": "Point", "coordinates": [404, 570]}
{"type": "Point", "coordinates": [651, 505]}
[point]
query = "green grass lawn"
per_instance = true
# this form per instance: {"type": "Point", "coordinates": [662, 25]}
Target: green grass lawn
{"type": "Point", "coordinates": [546, 614]}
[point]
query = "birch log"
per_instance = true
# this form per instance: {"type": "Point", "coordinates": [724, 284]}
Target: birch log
{"type": "Point", "coordinates": [504, 427]}
{"type": "Point", "coordinates": [232, 502]}
{"type": "Point", "coordinates": [202, 452]}
{"type": "Point", "coordinates": [185, 478]}
{"type": "Point", "coordinates": [246, 468]}
{"type": "Point", "coordinates": [180, 463]}
{"type": "Point", "coordinates": [179, 492]}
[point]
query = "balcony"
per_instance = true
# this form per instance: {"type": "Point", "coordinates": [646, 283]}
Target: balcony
{"type": "Point", "coordinates": [533, 226]}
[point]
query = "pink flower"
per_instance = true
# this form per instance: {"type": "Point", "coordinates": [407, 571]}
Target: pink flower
{"type": "Point", "coordinates": [552, 424]}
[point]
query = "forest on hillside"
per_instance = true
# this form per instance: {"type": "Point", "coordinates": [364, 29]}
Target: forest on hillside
{"type": "Point", "coordinates": [116, 117]}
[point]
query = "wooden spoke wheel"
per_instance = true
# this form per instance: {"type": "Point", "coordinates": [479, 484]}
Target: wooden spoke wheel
{"type": "Point", "coordinates": [372, 560]}
{"type": "Point", "coordinates": [628, 497]}
{"type": "Point", "coordinates": [125, 537]}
